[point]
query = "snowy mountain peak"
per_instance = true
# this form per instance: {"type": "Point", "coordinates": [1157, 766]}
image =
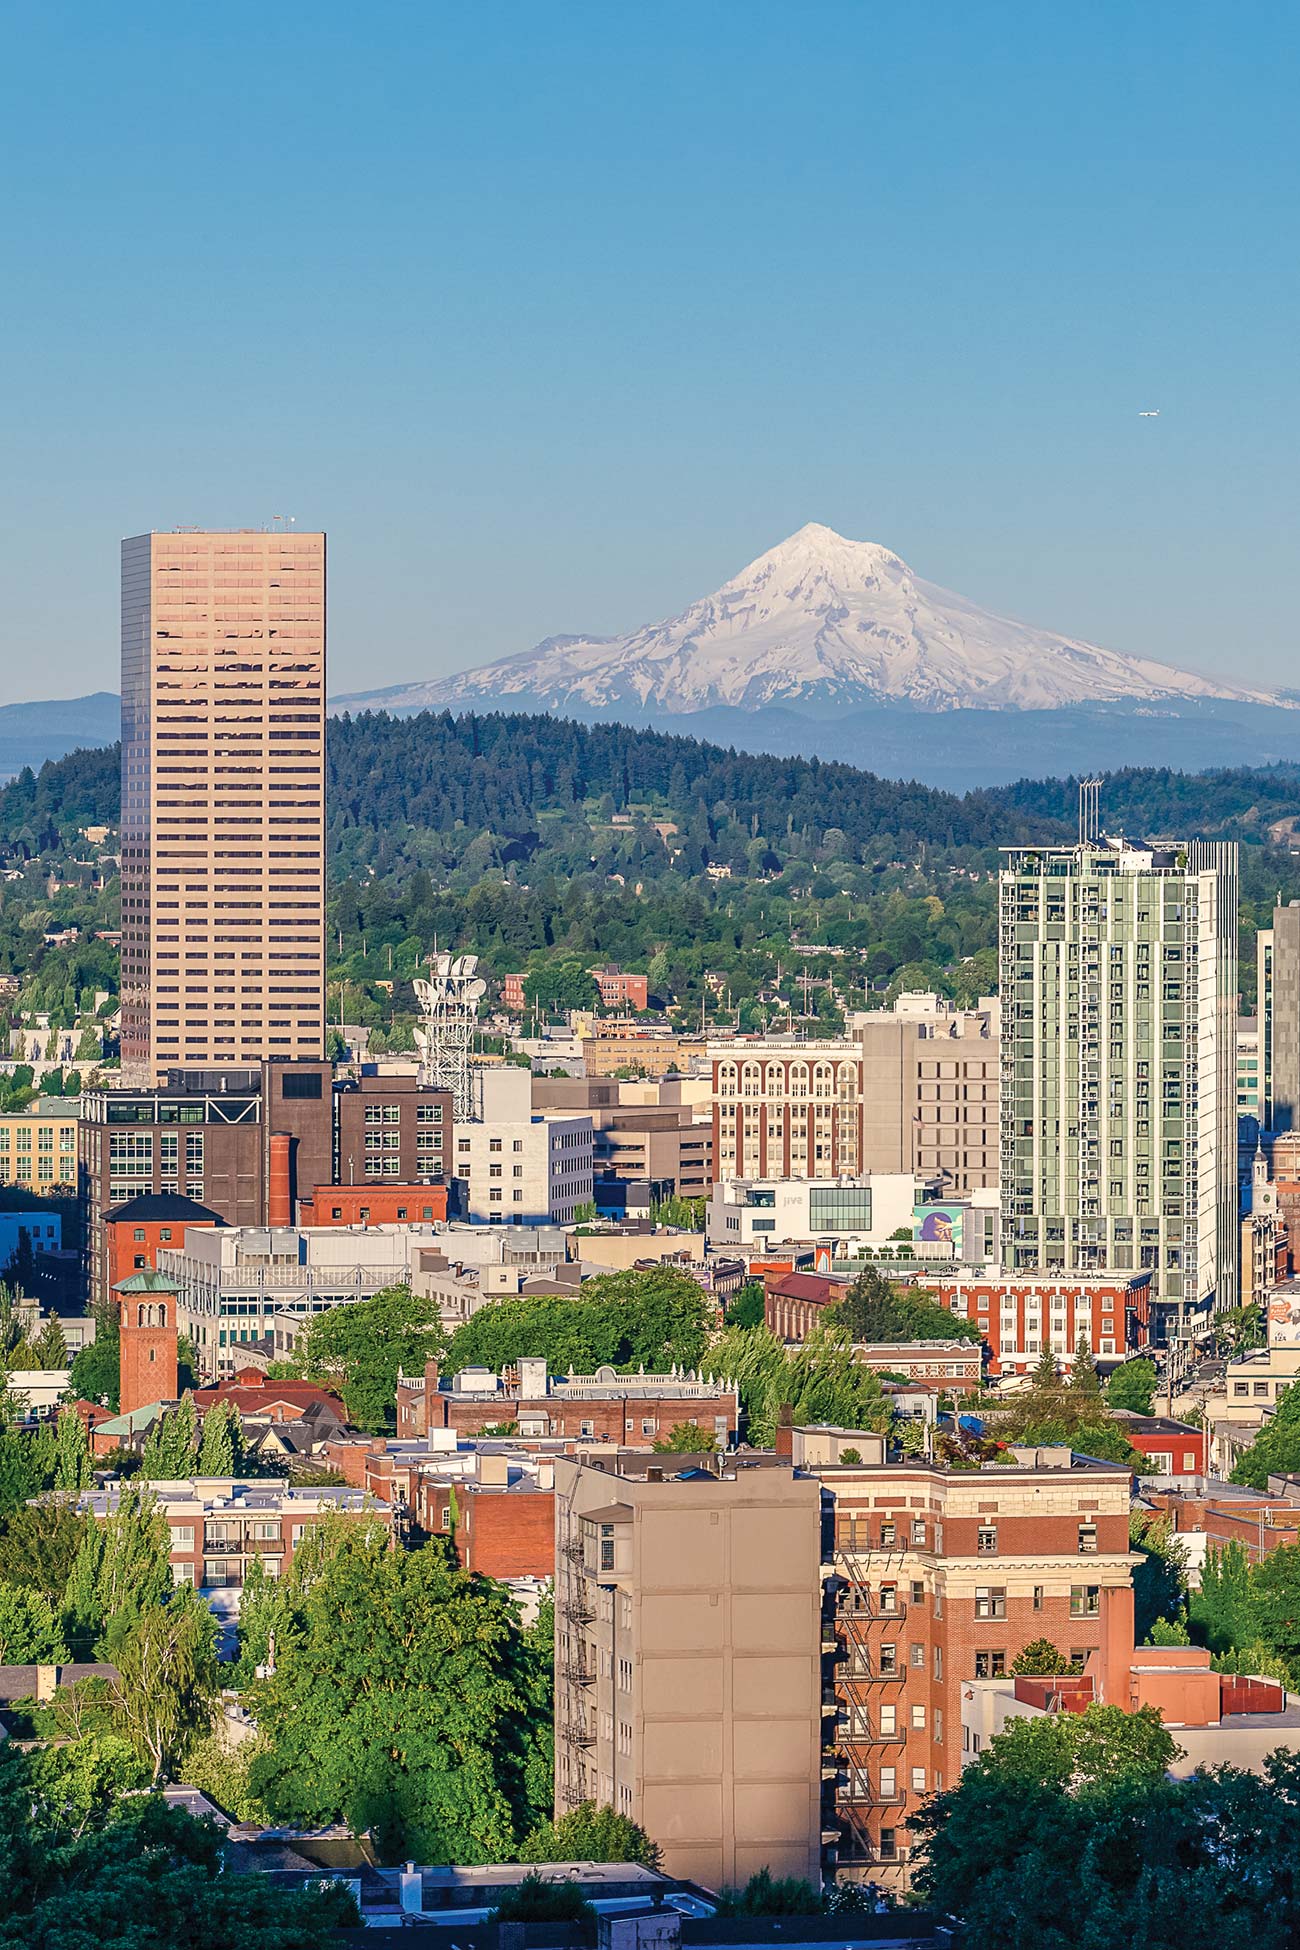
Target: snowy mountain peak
{"type": "Point", "coordinates": [822, 624]}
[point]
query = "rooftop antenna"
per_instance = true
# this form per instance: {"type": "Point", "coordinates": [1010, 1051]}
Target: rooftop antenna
{"type": "Point", "coordinates": [1089, 811]}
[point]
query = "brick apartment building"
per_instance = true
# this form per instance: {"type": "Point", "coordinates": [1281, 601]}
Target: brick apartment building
{"type": "Point", "coordinates": [254, 1144]}
{"type": "Point", "coordinates": [634, 1411]}
{"type": "Point", "coordinates": [1019, 1314]}
{"type": "Point", "coordinates": [616, 987]}
{"type": "Point", "coordinates": [940, 1577]}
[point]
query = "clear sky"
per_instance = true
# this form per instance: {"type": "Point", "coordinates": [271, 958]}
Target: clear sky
{"type": "Point", "coordinates": [556, 315]}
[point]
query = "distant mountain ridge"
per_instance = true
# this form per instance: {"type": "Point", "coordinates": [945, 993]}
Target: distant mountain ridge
{"type": "Point", "coordinates": [30, 733]}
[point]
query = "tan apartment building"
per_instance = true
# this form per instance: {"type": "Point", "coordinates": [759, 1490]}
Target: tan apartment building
{"type": "Point", "coordinates": [930, 1090]}
{"type": "Point", "coordinates": [787, 1109]}
{"type": "Point", "coordinates": [687, 1660]}
{"type": "Point", "coordinates": [38, 1148]}
{"type": "Point", "coordinates": [223, 799]}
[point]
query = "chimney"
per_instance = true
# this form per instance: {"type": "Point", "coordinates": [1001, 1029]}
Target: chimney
{"type": "Point", "coordinates": [654, 1473]}
{"type": "Point", "coordinates": [47, 1684]}
{"type": "Point", "coordinates": [431, 1377]}
{"type": "Point", "coordinates": [279, 1205]}
{"type": "Point", "coordinates": [412, 1890]}
{"type": "Point", "coordinates": [783, 1438]}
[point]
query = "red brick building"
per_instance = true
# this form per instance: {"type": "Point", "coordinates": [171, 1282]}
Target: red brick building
{"type": "Point", "coordinates": [502, 1529]}
{"type": "Point", "coordinates": [1018, 1314]}
{"type": "Point", "coordinates": [1171, 1448]}
{"type": "Point", "coordinates": [255, 1394]}
{"type": "Point", "coordinates": [940, 1577]}
{"type": "Point", "coordinates": [376, 1205]}
{"type": "Point", "coordinates": [616, 988]}
{"type": "Point", "coordinates": [148, 1364]}
{"type": "Point", "coordinates": [795, 1303]}
{"type": "Point", "coordinates": [134, 1230]}
{"type": "Point", "coordinates": [634, 1411]}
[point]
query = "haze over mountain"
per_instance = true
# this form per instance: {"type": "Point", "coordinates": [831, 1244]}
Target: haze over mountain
{"type": "Point", "coordinates": [819, 624]}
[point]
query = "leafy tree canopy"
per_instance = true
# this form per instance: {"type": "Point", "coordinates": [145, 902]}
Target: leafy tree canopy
{"type": "Point", "coordinates": [590, 1833]}
{"type": "Point", "coordinates": [1276, 1449]}
{"type": "Point", "coordinates": [1133, 1386]}
{"type": "Point", "coordinates": [359, 1350]}
{"type": "Point", "coordinates": [652, 1319]}
{"type": "Point", "coordinates": [874, 1309]}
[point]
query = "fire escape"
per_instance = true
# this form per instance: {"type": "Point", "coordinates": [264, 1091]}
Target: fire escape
{"type": "Point", "coordinates": [866, 1673]}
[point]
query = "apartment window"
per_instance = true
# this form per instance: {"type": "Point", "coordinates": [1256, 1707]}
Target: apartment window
{"type": "Point", "coordinates": [918, 1780]}
{"type": "Point", "coordinates": [918, 1716]}
{"type": "Point", "coordinates": [1038, 1597]}
{"type": "Point", "coordinates": [1087, 1539]}
{"type": "Point", "coordinates": [916, 1655]}
{"type": "Point", "coordinates": [986, 1540]}
{"type": "Point", "coordinates": [888, 1845]}
{"type": "Point", "coordinates": [938, 1662]}
{"type": "Point", "coordinates": [887, 1719]}
{"type": "Point", "coordinates": [889, 1597]}
{"type": "Point", "coordinates": [990, 1665]}
{"type": "Point", "coordinates": [918, 1592]}
{"type": "Point", "coordinates": [1085, 1601]}
{"type": "Point", "coordinates": [990, 1601]}
{"type": "Point", "coordinates": [586, 1428]}
{"type": "Point", "coordinates": [888, 1659]}
{"type": "Point", "coordinates": [887, 1535]}
{"type": "Point", "coordinates": [918, 1530]}
{"type": "Point", "coordinates": [888, 1783]}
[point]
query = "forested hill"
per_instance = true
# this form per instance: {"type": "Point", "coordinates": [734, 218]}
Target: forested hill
{"type": "Point", "coordinates": [744, 886]}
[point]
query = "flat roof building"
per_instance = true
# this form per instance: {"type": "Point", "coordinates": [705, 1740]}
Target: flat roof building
{"type": "Point", "coordinates": [223, 798]}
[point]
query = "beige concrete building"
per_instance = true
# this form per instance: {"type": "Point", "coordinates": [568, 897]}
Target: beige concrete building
{"type": "Point", "coordinates": [930, 1090]}
{"type": "Point", "coordinates": [688, 1658]}
{"type": "Point", "coordinates": [38, 1148]}
{"type": "Point", "coordinates": [223, 799]}
{"type": "Point", "coordinates": [915, 1089]}
{"type": "Point", "coordinates": [661, 1144]}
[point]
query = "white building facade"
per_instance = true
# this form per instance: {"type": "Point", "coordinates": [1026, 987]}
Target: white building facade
{"type": "Point", "coordinates": [517, 1166]}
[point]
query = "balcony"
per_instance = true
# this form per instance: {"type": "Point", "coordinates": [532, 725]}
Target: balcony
{"type": "Point", "coordinates": [578, 1611]}
{"type": "Point", "coordinates": [578, 1673]}
{"type": "Point", "coordinates": [577, 1734]}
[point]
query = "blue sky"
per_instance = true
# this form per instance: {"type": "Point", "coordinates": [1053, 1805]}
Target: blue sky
{"type": "Point", "coordinates": [554, 316]}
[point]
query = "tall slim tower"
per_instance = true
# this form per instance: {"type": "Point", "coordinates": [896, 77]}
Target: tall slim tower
{"type": "Point", "coordinates": [1278, 955]}
{"type": "Point", "coordinates": [223, 799]}
{"type": "Point", "coordinates": [1118, 1107]}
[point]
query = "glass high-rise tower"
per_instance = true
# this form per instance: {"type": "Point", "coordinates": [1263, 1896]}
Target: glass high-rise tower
{"type": "Point", "coordinates": [1118, 1073]}
{"type": "Point", "coordinates": [223, 799]}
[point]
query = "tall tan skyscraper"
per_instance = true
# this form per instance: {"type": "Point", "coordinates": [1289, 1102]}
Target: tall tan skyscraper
{"type": "Point", "coordinates": [223, 799]}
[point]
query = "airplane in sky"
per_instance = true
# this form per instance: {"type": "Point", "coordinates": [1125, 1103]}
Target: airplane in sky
{"type": "Point", "coordinates": [1149, 413]}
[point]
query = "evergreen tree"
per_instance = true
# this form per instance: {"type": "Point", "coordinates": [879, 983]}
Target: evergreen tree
{"type": "Point", "coordinates": [123, 1567]}
{"type": "Point", "coordinates": [72, 1463]}
{"type": "Point", "coordinates": [1083, 1370]}
{"type": "Point", "coordinates": [51, 1348]}
{"type": "Point", "coordinates": [221, 1449]}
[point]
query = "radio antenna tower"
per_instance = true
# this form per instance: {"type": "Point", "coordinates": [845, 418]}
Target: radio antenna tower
{"type": "Point", "coordinates": [449, 999]}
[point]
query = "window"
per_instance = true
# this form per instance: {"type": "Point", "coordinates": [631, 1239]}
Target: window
{"type": "Point", "coordinates": [918, 1780]}
{"type": "Point", "coordinates": [607, 1547]}
{"type": "Point", "coordinates": [918, 1592]}
{"type": "Point", "coordinates": [918, 1716]}
{"type": "Point", "coordinates": [888, 1659]}
{"type": "Point", "coordinates": [888, 1783]}
{"type": "Point", "coordinates": [1085, 1601]}
{"type": "Point", "coordinates": [1038, 1597]}
{"type": "Point", "coordinates": [938, 1662]}
{"type": "Point", "coordinates": [887, 1719]}
{"type": "Point", "coordinates": [293, 1085]}
{"type": "Point", "coordinates": [986, 1540]}
{"type": "Point", "coordinates": [887, 1534]}
{"type": "Point", "coordinates": [916, 1655]}
{"type": "Point", "coordinates": [990, 1601]}
{"type": "Point", "coordinates": [889, 1845]}
{"type": "Point", "coordinates": [990, 1665]}
{"type": "Point", "coordinates": [1087, 1539]}
{"type": "Point", "coordinates": [918, 1530]}
{"type": "Point", "coordinates": [889, 1597]}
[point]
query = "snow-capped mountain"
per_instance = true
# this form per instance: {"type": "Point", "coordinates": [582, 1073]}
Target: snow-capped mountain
{"type": "Point", "coordinates": [818, 624]}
